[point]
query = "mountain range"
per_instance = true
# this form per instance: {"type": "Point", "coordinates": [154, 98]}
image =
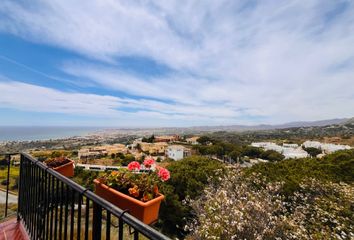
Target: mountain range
{"type": "Point", "coordinates": [230, 128]}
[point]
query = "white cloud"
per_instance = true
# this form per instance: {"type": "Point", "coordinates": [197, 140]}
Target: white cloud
{"type": "Point", "coordinates": [33, 98]}
{"type": "Point", "coordinates": [29, 97]}
{"type": "Point", "coordinates": [281, 60]}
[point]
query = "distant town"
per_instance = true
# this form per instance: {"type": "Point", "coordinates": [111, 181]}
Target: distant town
{"type": "Point", "coordinates": [92, 153]}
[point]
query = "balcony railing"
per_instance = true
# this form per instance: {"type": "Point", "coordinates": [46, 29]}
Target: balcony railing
{"type": "Point", "coordinates": [51, 206]}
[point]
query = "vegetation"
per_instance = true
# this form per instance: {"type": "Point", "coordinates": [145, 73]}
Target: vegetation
{"type": "Point", "coordinates": [235, 152]}
{"type": "Point", "coordinates": [188, 179]}
{"type": "Point", "coordinates": [143, 186]}
{"type": "Point", "coordinates": [312, 151]}
{"type": "Point", "coordinates": [85, 178]}
{"type": "Point", "coordinates": [56, 162]}
{"type": "Point", "coordinates": [248, 207]}
{"type": "Point", "coordinates": [122, 159]}
{"type": "Point", "coordinates": [310, 198]}
{"type": "Point", "coordinates": [268, 200]}
{"type": "Point", "coordinates": [44, 155]}
{"type": "Point", "coordinates": [150, 139]}
{"type": "Point", "coordinates": [14, 175]}
{"type": "Point", "coordinates": [204, 140]}
{"type": "Point", "coordinates": [344, 133]}
{"type": "Point", "coordinates": [271, 155]}
{"type": "Point", "coordinates": [336, 167]}
{"type": "Point", "coordinates": [12, 208]}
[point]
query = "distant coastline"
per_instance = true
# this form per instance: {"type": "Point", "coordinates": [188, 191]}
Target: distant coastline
{"type": "Point", "coordinates": [32, 133]}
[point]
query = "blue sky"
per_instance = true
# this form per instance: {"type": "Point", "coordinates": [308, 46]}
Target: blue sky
{"type": "Point", "coordinates": [175, 63]}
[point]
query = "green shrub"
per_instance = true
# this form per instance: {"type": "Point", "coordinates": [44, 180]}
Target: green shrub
{"type": "Point", "coordinates": [189, 176]}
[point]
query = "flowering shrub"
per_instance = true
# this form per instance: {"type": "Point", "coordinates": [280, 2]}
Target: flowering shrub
{"type": "Point", "coordinates": [322, 210]}
{"type": "Point", "coordinates": [243, 207]}
{"type": "Point", "coordinates": [143, 186]}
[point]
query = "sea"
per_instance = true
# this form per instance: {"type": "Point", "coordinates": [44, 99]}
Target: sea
{"type": "Point", "coordinates": [30, 133]}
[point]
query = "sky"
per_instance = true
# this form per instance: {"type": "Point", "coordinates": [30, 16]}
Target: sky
{"type": "Point", "coordinates": [175, 63]}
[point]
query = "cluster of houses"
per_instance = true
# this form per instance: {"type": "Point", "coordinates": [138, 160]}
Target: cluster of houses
{"type": "Point", "coordinates": [326, 147]}
{"type": "Point", "coordinates": [162, 147]}
{"type": "Point", "coordinates": [95, 152]}
{"type": "Point", "coordinates": [296, 151]}
{"type": "Point", "coordinates": [288, 150]}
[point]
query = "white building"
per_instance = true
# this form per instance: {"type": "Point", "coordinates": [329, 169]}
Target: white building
{"type": "Point", "coordinates": [326, 147]}
{"type": "Point", "coordinates": [177, 152]}
{"type": "Point", "coordinates": [294, 153]}
{"type": "Point", "coordinates": [288, 150]}
{"type": "Point", "coordinates": [290, 145]}
{"type": "Point", "coordinates": [268, 146]}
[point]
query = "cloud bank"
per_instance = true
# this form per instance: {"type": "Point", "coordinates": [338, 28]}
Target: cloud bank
{"type": "Point", "coordinates": [223, 62]}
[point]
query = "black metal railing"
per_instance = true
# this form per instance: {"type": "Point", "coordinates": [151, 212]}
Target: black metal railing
{"type": "Point", "coordinates": [9, 208]}
{"type": "Point", "coordinates": [52, 206]}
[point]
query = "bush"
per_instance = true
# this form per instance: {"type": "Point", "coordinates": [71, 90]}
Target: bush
{"type": "Point", "coordinates": [85, 178]}
{"type": "Point", "coordinates": [272, 155]}
{"type": "Point", "coordinates": [247, 207]}
{"type": "Point", "coordinates": [189, 176]}
{"type": "Point", "coordinates": [336, 167]}
{"type": "Point", "coordinates": [4, 182]}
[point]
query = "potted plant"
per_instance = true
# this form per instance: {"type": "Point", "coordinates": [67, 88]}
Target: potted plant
{"type": "Point", "coordinates": [63, 165]}
{"type": "Point", "coordinates": [134, 190]}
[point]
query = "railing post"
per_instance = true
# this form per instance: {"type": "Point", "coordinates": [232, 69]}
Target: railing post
{"type": "Point", "coordinates": [7, 183]}
{"type": "Point", "coordinates": [20, 181]}
{"type": "Point", "coordinates": [96, 221]}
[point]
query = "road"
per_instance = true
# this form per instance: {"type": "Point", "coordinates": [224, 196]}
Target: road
{"type": "Point", "coordinates": [12, 198]}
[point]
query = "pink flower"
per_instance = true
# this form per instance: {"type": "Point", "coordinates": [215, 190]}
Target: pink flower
{"type": "Point", "coordinates": [163, 173]}
{"type": "Point", "coordinates": [148, 162]}
{"type": "Point", "coordinates": [134, 166]}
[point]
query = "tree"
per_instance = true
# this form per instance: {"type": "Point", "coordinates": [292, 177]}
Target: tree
{"type": "Point", "coordinates": [235, 155]}
{"type": "Point", "coordinates": [204, 140]}
{"type": "Point", "coordinates": [272, 155]}
{"type": "Point", "coordinates": [251, 151]}
{"type": "Point", "coordinates": [120, 155]}
{"type": "Point", "coordinates": [216, 150]}
{"type": "Point", "coordinates": [202, 150]}
{"type": "Point", "coordinates": [150, 139]}
{"type": "Point", "coordinates": [313, 151]}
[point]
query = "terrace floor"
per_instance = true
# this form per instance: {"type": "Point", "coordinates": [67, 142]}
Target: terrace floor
{"type": "Point", "coordinates": [12, 230]}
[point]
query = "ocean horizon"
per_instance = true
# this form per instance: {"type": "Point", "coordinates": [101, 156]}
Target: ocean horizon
{"type": "Point", "coordinates": [32, 133]}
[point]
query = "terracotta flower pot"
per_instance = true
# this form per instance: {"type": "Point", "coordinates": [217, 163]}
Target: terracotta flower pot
{"type": "Point", "coordinates": [147, 212]}
{"type": "Point", "coordinates": [67, 169]}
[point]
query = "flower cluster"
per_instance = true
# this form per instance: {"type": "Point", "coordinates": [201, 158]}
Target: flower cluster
{"type": "Point", "coordinates": [149, 162]}
{"type": "Point", "coordinates": [140, 185]}
{"type": "Point", "coordinates": [163, 173]}
{"type": "Point", "coordinates": [134, 166]}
